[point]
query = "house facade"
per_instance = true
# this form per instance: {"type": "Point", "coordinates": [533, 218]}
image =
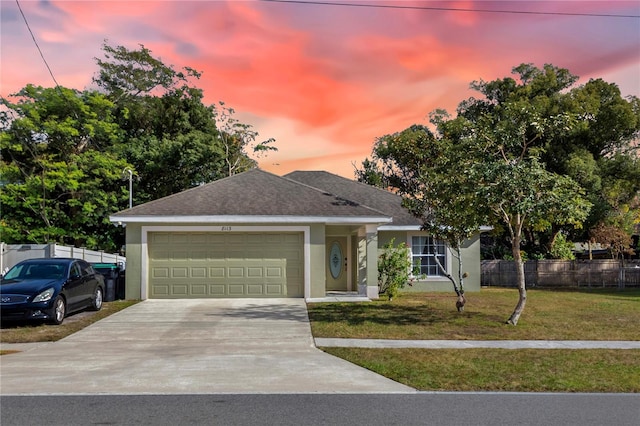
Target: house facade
{"type": "Point", "coordinates": [256, 234]}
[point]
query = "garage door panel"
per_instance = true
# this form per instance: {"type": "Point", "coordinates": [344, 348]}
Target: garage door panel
{"type": "Point", "coordinates": [226, 265]}
{"type": "Point", "coordinates": [235, 272]}
{"type": "Point", "coordinates": [199, 272]}
{"type": "Point", "coordinates": [254, 272]}
{"type": "Point", "coordinates": [217, 290]}
{"type": "Point", "coordinates": [199, 290]}
{"type": "Point", "coordinates": [159, 272]}
{"type": "Point", "coordinates": [182, 272]}
{"type": "Point", "coordinates": [179, 290]}
{"type": "Point", "coordinates": [236, 290]}
{"type": "Point", "coordinates": [273, 272]}
{"type": "Point", "coordinates": [159, 290]}
{"type": "Point", "coordinates": [275, 290]}
{"type": "Point", "coordinates": [254, 290]}
{"type": "Point", "coordinates": [217, 272]}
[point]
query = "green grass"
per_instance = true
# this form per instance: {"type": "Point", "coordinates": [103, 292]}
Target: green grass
{"type": "Point", "coordinates": [549, 315]}
{"type": "Point", "coordinates": [526, 370]}
{"type": "Point", "coordinates": [25, 332]}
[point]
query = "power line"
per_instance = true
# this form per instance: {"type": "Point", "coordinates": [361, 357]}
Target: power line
{"type": "Point", "coordinates": [450, 9]}
{"type": "Point", "coordinates": [36, 43]}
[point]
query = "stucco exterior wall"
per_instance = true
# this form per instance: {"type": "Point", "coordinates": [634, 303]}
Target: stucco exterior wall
{"type": "Point", "coordinates": [134, 262]}
{"type": "Point", "coordinates": [470, 264]}
{"type": "Point", "coordinates": [317, 260]}
{"type": "Point", "coordinates": [364, 272]}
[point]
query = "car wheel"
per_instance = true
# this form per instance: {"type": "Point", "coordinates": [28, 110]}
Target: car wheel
{"type": "Point", "coordinates": [58, 311]}
{"type": "Point", "coordinates": [96, 301]}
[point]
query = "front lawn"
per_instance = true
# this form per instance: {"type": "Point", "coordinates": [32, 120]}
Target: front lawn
{"type": "Point", "coordinates": [549, 315]}
{"type": "Point", "coordinates": [522, 370]}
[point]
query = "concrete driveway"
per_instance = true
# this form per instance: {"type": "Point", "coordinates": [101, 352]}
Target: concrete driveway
{"type": "Point", "coordinates": [190, 347]}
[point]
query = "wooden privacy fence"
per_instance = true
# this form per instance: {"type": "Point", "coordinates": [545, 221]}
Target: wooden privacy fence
{"type": "Point", "coordinates": [563, 273]}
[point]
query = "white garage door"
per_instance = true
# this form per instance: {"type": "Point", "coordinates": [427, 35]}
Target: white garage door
{"type": "Point", "coordinates": [199, 265]}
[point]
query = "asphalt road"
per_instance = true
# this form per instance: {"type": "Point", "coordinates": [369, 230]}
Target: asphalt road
{"type": "Point", "coordinates": [442, 409]}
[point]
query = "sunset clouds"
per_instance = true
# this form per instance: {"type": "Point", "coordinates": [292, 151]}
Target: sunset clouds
{"type": "Point", "coordinates": [325, 81]}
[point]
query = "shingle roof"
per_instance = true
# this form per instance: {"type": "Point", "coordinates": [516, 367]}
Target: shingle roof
{"type": "Point", "coordinates": [361, 193]}
{"type": "Point", "coordinates": [253, 193]}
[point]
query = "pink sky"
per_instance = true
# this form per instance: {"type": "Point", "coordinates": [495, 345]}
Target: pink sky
{"type": "Point", "coordinates": [324, 81]}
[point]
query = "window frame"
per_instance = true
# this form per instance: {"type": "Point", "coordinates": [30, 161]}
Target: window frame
{"type": "Point", "coordinates": [447, 257]}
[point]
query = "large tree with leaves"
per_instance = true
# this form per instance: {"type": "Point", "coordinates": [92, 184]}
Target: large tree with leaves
{"type": "Point", "coordinates": [174, 140]}
{"type": "Point", "coordinates": [499, 139]}
{"type": "Point", "coordinates": [60, 181]}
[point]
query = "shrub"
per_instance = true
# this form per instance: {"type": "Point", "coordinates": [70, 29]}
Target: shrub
{"type": "Point", "coordinates": [561, 248]}
{"type": "Point", "coordinates": [394, 265]}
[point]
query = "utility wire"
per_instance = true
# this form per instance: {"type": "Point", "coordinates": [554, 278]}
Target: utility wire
{"type": "Point", "coordinates": [36, 43]}
{"type": "Point", "coordinates": [451, 9]}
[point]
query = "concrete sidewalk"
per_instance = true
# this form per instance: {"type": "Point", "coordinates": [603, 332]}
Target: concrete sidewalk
{"type": "Point", "coordinates": [469, 344]}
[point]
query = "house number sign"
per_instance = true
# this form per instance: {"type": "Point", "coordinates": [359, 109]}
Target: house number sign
{"type": "Point", "coordinates": [335, 260]}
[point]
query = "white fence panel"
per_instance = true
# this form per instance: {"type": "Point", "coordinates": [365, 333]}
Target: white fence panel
{"type": "Point", "coordinates": [10, 254]}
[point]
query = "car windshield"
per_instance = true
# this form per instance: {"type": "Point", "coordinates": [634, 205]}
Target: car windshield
{"type": "Point", "coordinates": [35, 271]}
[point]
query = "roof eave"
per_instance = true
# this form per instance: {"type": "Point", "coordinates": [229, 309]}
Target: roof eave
{"type": "Point", "coordinates": [333, 220]}
{"type": "Point", "coordinates": [391, 227]}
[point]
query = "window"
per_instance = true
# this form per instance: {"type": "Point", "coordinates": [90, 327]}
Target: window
{"type": "Point", "coordinates": [424, 250]}
{"type": "Point", "coordinates": [75, 270]}
{"type": "Point", "coordinates": [86, 268]}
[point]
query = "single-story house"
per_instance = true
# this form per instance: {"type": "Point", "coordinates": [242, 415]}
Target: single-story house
{"type": "Point", "coordinates": [256, 234]}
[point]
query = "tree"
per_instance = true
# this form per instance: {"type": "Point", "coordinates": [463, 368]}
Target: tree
{"type": "Point", "coordinates": [425, 170]}
{"type": "Point", "coordinates": [60, 182]}
{"type": "Point", "coordinates": [173, 139]}
{"type": "Point", "coordinates": [524, 194]}
{"type": "Point", "coordinates": [495, 164]}
{"type": "Point", "coordinates": [237, 138]}
{"type": "Point", "coordinates": [616, 240]}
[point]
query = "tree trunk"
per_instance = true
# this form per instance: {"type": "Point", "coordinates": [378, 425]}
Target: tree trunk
{"type": "Point", "coordinates": [522, 290]}
{"type": "Point", "coordinates": [459, 289]}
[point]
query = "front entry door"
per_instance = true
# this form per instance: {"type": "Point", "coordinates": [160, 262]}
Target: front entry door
{"type": "Point", "coordinates": [337, 261]}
